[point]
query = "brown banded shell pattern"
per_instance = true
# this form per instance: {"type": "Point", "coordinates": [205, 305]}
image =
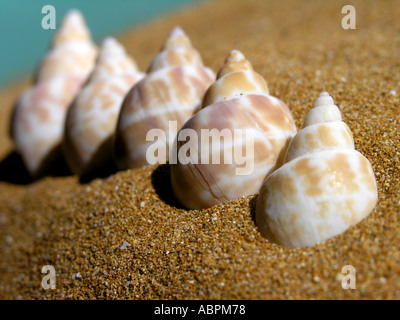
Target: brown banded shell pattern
{"type": "Point", "coordinates": [92, 118]}
{"type": "Point", "coordinates": [39, 114]}
{"type": "Point", "coordinates": [171, 91]}
{"type": "Point", "coordinates": [324, 187]}
{"type": "Point", "coordinates": [239, 99]}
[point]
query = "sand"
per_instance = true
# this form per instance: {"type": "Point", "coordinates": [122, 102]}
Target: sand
{"type": "Point", "coordinates": [125, 237]}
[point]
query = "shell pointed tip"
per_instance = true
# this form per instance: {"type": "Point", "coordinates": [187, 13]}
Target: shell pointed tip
{"type": "Point", "coordinates": [235, 55]}
{"type": "Point", "coordinates": [74, 12]}
{"type": "Point", "coordinates": [73, 28]}
{"type": "Point", "coordinates": [109, 42]}
{"type": "Point", "coordinates": [235, 51]}
{"type": "Point", "coordinates": [324, 99]}
{"type": "Point", "coordinates": [324, 94]}
{"type": "Point", "coordinates": [177, 38]}
{"type": "Point", "coordinates": [177, 31]}
{"type": "Point", "coordinates": [235, 61]}
{"type": "Point", "coordinates": [74, 16]}
{"type": "Point", "coordinates": [110, 47]}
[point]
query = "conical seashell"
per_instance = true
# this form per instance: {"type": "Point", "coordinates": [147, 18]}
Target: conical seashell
{"type": "Point", "coordinates": [171, 91]}
{"type": "Point", "coordinates": [324, 187]}
{"type": "Point", "coordinates": [39, 115]}
{"type": "Point", "coordinates": [238, 100]}
{"type": "Point", "coordinates": [92, 118]}
{"type": "Point", "coordinates": [72, 52]}
{"type": "Point", "coordinates": [73, 28]}
{"type": "Point", "coordinates": [177, 51]}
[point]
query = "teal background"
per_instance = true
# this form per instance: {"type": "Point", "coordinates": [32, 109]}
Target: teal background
{"type": "Point", "coordinates": [23, 42]}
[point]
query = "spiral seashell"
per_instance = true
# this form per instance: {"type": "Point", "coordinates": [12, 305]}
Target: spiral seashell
{"type": "Point", "coordinates": [324, 186]}
{"type": "Point", "coordinates": [238, 100]}
{"type": "Point", "coordinates": [171, 91]}
{"type": "Point", "coordinates": [72, 52]}
{"type": "Point", "coordinates": [38, 117]}
{"type": "Point", "coordinates": [92, 118]}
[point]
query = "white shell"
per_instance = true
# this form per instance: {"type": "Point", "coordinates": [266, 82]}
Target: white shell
{"type": "Point", "coordinates": [239, 100]}
{"type": "Point", "coordinates": [72, 52]}
{"type": "Point", "coordinates": [324, 187]}
{"type": "Point", "coordinates": [92, 118]}
{"type": "Point", "coordinates": [171, 91]}
{"type": "Point", "coordinates": [39, 115]}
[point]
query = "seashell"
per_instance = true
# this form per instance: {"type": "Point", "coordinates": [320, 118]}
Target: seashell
{"type": "Point", "coordinates": [324, 186]}
{"type": "Point", "coordinates": [92, 117]}
{"type": "Point", "coordinates": [72, 52]}
{"type": "Point", "coordinates": [171, 91]}
{"type": "Point", "coordinates": [239, 99]}
{"type": "Point", "coordinates": [39, 115]}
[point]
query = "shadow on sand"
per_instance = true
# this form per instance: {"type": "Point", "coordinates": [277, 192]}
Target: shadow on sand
{"type": "Point", "coordinates": [13, 170]}
{"type": "Point", "coordinates": [161, 181]}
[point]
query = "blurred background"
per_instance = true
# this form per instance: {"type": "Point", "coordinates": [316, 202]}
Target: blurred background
{"type": "Point", "coordinates": [24, 41]}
